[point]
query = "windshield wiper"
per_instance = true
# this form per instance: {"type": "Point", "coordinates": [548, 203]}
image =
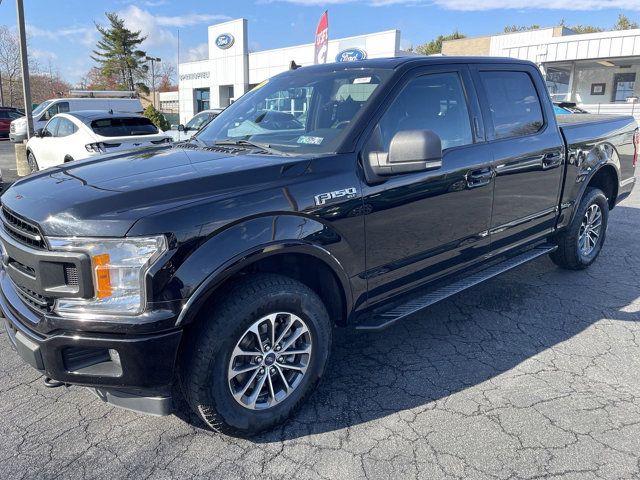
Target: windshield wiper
{"type": "Point", "coordinates": [202, 143]}
{"type": "Point", "coordinates": [265, 147]}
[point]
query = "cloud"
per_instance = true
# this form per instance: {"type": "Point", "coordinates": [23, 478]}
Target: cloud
{"type": "Point", "coordinates": [199, 52]}
{"type": "Point", "coordinates": [158, 28]}
{"type": "Point", "coordinates": [84, 34]}
{"type": "Point", "coordinates": [42, 54]}
{"type": "Point", "coordinates": [475, 5]}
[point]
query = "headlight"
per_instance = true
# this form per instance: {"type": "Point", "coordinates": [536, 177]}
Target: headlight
{"type": "Point", "coordinates": [118, 268]}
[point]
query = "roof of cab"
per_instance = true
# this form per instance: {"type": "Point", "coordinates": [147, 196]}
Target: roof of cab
{"type": "Point", "coordinates": [414, 60]}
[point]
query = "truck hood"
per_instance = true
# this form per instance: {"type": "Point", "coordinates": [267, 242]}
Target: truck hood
{"type": "Point", "coordinates": [105, 196]}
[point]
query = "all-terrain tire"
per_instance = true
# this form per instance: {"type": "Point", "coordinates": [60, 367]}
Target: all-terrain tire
{"type": "Point", "coordinates": [210, 343]}
{"type": "Point", "coordinates": [569, 254]}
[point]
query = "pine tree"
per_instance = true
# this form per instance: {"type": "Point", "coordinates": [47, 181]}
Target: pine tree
{"type": "Point", "coordinates": [156, 117]}
{"type": "Point", "coordinates": [118, 55]}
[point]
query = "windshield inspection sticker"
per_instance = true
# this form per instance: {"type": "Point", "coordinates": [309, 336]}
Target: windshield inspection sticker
{"type": "Point", "coordinates": [308, 140]}
{"type": "Point", "coordinates": [356, 81]}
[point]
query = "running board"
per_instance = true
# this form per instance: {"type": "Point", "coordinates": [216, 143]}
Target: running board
{"type": "Point", "coordinates": [383, 319]}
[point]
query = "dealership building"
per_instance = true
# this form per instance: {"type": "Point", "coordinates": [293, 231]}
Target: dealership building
{"type": "Point", "coordinates": [599, 71]}
{"type": "Point", "coordinates": [232, 69]}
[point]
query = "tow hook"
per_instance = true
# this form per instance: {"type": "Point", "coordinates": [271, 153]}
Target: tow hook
{"type": "Point", "coordinates": [50, 383]}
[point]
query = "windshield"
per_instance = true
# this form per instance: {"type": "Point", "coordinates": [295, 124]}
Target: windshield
{"type": "Point", "coordinates": [41, 108]}
{"type": "Point", "coordinates": [298, 112]}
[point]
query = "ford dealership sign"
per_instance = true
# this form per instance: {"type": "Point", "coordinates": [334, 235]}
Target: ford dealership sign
{"type": "Point", "coordinates": [224, 41]}
{"type": "Point", "coordinates": [351, 55]}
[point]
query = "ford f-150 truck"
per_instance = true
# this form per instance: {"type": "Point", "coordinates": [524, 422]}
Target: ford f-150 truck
{"type": "Point", "coordinates": [334, 195]}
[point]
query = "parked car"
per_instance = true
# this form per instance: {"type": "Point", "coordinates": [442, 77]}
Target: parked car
{"type": "Point", "coordinates": [7, 115]}
{"type": "Point", "coordinates": [47, 109]}
{"type": "Point", "coordinates": [227, 261]}
{"type": "Point", "coordinates": [199, 120]}
{"type": "Point", "coordinates": [88, 133]}
{"type": "Point", "coordinates": [566, 108]}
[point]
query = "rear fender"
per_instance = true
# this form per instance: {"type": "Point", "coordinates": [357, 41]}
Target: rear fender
{"type": "Point", "coordinates": [583, 165]}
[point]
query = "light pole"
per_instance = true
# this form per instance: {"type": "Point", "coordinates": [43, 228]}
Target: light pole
{"type": "Point", "coordinates": [153, 60]}
{"type": "Point", "coordinates": [26, 86]}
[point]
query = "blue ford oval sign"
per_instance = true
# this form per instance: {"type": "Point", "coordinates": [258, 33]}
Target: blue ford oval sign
{"type": "Point", "coordinates": [351, 55]}
{"type": "Point", "coordinates": [224, 41]}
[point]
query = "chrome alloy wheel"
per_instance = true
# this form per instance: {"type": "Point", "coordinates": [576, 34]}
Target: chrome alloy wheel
{"type": "Point", "coordinates": [590, 229]}
{"type": "Point", "coordinates": [269, 361]}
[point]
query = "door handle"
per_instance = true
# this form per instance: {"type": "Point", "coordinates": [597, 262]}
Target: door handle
{"type": "Point", "coordinates": [480, 177]}
{"type": "Point", "coordinates": [551, 160]}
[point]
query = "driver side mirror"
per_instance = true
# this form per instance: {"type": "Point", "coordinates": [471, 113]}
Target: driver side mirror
{"type": "Point", "coordinates": [409, 151]}
{"type": "Point", "coordinates": [39, 133]}
{"type": "Point", "coordinates": [181, 128]}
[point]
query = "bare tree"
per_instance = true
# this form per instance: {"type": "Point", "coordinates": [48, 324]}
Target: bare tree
{"type": "Point", "coordinates": [10, 66]}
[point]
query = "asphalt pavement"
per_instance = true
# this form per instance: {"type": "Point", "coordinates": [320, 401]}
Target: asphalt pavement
{"type": "Point", "coordinates": [533, 374]}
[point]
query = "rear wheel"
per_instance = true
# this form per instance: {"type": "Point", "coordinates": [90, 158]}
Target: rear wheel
{"type": "Point", "coordinates": [33, 164]}
{"type": "Point", "coordinates": [255, 358]}
{"type": "Point", "coordinates": [581, 242]}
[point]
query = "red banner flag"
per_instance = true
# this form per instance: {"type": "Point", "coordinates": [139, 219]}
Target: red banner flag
{"type": "Point", "coordinates": [322, 39]}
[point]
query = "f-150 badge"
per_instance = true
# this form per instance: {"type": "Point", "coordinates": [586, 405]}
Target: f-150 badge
{"type": "Point", "coordinates": [322, 198]}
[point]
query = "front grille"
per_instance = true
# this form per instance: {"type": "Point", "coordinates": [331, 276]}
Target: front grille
{"type": "Point", "coordinates": [23, 231]}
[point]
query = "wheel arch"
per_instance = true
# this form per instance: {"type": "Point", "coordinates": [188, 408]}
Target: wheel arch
{"type": "Point", "coordinates": [274, 244]}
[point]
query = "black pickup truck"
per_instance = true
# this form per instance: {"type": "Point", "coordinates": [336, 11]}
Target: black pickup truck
{"type": "Point", "coordinates": [334, 195]}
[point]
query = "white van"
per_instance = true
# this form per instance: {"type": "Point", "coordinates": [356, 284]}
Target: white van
{"type": "Point", "coordinates": [47, 109]}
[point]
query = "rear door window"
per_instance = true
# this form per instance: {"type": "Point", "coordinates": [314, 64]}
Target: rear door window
{"type": "Point", "coordinates": [514, 104]}
{"type": "Point", "coordinates": [123, 127]}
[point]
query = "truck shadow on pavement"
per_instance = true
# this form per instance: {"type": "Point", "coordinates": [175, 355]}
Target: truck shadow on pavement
{"type": "Point", "coordinates": [508, 323]}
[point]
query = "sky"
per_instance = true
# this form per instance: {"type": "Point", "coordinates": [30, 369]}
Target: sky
{"type": "Point", "coordinates": [62, 32]}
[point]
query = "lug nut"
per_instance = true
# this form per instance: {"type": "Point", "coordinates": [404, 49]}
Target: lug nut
{"type": "Point", "coordinates": [261, 371]}
{"type": "Point", "coordinates": [281, 359]}
{"type": "Point", "coordinates": [258, 359]}
{"type": "Point", "coordinates": [272, 371]}
{"type": "Point", "coordinates": [278, 348]}
{"type": "Point", "coordinates": [267, 347]}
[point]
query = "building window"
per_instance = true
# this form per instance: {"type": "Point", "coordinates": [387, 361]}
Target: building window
{"type": "Point", "coordinates": [558, 78]}
{"type": "Point", "coordinates": [202, 99]}
{"type": "Point", "coordinates": [623, 86]}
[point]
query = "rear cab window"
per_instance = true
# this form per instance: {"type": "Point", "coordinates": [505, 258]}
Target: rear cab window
{"type": "Point", "coordinates": [123, 127]}
{"type": "Point", "coordinates": [513, 103]}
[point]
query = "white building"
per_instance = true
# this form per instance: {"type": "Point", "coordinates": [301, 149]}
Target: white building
{"type": "Point", "coordinates": [599, 71]}
{"type": "Point", "coordinates": [232, 69]}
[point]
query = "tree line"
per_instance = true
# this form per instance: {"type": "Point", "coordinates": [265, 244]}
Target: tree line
{"type": "Point", "coordinates": [435, 45]}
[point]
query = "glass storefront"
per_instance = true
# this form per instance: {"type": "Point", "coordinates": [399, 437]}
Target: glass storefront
{"type": "Point", "coordinates": [558, 78]}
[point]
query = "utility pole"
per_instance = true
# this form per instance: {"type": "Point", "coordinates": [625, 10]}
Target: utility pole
{"type": "Point", "coordinates": [26, 86]}
{"type": "Point", "coordinates": [153, 60]}
{"type": "Point", "coordinates": [1, 94]}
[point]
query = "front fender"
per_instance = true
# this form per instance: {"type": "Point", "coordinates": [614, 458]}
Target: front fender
{"type": "Point", "coordinates": [235, 247]}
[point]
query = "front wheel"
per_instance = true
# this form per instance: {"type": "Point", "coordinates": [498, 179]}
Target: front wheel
{"type": "Point", "coordinates": [581, 242]}
{"type": "Point", "coordinates": [256, 357]}
{"type": "Point", "coordinates": [33, 164]}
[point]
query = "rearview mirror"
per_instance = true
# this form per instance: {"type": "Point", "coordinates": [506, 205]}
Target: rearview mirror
{"type": "Point", "coordinates": [409, 151]}
{"type": "Point", "coordinates": [181, 128]}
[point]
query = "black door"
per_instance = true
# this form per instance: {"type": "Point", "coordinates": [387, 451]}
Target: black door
{"type": "Point", "coordinates": [422, 225]}
{"type": "Point", "coordinates": [528, 154]}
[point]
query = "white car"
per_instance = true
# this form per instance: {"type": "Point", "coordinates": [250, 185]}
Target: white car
{"type": "Point", "coordinates": [199, 120]}
{"type": "Point", "coordinates": [77, 135]}
{"type": "Point", "coordinates": [47, 109]}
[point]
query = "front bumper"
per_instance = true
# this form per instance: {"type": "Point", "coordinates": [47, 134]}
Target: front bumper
{"type": "Point", "coordinates": [17, 137]}
{"type": "Point", "coordinates": [122, 369]}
